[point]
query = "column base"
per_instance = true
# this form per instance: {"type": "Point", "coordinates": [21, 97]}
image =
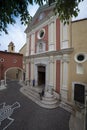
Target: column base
{"type": "Point", "coordinates": [50, 89]}
{"type": "Point", "coordinates": [64, 93]}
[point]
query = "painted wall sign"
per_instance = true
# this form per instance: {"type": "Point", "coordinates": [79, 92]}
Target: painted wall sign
{"type": "Point", "coordinates": [6, 111]}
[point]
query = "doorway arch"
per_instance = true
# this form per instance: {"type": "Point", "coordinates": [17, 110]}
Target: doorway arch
{"type": "Point", "coordinates": [14, 73]}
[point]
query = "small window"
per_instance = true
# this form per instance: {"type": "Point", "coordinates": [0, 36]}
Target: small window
{"type": "Point", "coordinates": [80, 57]}
{"type": "Point", "coordinates": [12, 48]}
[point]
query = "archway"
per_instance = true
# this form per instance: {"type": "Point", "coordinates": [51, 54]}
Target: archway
{"type": "Point", "coordinates": [14, 73]}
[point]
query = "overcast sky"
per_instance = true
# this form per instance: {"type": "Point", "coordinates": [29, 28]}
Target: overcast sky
{"type": "Point", "coordinates": [16, 32]}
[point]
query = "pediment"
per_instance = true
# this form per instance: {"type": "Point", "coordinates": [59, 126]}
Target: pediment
{"type": "Point", "coordinates": [43, 12]}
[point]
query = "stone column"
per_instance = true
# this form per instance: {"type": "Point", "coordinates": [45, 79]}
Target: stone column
{"type": "Point", "coordinates": [27, 60]}
{"type": "Point", "coordinates": [36, 74]}
{"type": "Point", "coordinates": [32, 72]}
{"type": "Point", "coordinates": [32, 43]}
{"type": "Point", "coordinates": [27, 71]}
{"type": "Point", "coordinates": [51, 75]}
{"type": "Point", "coordinates": [28, 44]}
{"type": "Point", "coordinates": [64, 88]}
{"type": "Point", "coordinates": [52, 33]}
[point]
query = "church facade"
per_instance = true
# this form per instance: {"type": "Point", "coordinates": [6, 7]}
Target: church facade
{"type": "Point", "coordinates": [48, 49]}
{"type": "Point", "coordinates": [50, 53]}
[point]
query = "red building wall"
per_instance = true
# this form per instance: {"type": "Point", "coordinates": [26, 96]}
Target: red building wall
{"type": "Point", "coordinates": [58, 34]}
{"type": "Point", "coordinates": [9, 60]}
{"type": "Point", "coordinates": [44, 39]}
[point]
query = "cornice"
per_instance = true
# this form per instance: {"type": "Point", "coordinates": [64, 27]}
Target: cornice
{"type": "Point", "coordinates": [43, 23]}
{"type": "Point", "coordinates": [51, 53]}
{"type": "Point", "coordinates": [40, 9]}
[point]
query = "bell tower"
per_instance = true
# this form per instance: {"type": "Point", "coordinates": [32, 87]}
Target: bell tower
{"type": "Point", "coordinates": [11, 47]}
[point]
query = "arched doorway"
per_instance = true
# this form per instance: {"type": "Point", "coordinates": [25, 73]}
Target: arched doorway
{"type": "Point", "coordinates": [14, 73]}
{"type": "Point", "coordinates": [41, 75]}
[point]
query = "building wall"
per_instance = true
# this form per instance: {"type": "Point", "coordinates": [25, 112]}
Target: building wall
{"type": "Point", "coordinates": [23, 50]}
{"type": "Point", "coordinates": [10, 60]}
{"type": "Point", "coordinates": [78, 71]}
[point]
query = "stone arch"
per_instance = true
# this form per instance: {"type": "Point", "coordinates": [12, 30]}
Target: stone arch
{"type": "Point", "coordinates": [20, 70]}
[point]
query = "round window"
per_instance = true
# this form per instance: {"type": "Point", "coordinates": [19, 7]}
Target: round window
{"type": "Point", "coordinates": [1, 60]}
{"type": "Point", "coordinates": [80, 58]}
{"type": "Point", "coordinates": [41, 34]}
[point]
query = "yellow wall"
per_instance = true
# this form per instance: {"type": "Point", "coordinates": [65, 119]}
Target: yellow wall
{"type": "Point", "coordinates": [23, 50]}
{"type": "Point", "coordinates": [14, 74]}
{"type": "Point", "coordinates": [79, 43]}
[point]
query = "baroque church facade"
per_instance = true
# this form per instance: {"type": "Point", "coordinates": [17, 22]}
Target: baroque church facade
{"type": "Point", "coordinates": [50, 54]}
{"type": "Point", "coordinates": [48, 49]}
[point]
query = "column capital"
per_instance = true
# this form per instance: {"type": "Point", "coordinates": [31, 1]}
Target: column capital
{"type": "Point", "coordinates": [51, 59]}
{"type": "Point", "coordinates": [32, 61]}
{"type": "Point", "coordinates": [66, 58]}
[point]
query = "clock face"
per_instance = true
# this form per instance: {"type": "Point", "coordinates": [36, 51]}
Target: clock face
{"type": "Point", "coordinates": [41, 16]}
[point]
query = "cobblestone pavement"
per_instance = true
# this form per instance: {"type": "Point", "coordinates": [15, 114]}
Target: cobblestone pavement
{"type": "Point", "coordinates": [30, 116]}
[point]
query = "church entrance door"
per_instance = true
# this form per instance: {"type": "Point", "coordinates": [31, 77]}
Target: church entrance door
{"type": "Point", "coordinates": [41, 75]}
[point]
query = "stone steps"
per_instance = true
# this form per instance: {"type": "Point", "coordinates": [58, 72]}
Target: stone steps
{"type": "Point", "coordinates": [48, 101]}
{"type": "Point", "coordinates": [32, 92]}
